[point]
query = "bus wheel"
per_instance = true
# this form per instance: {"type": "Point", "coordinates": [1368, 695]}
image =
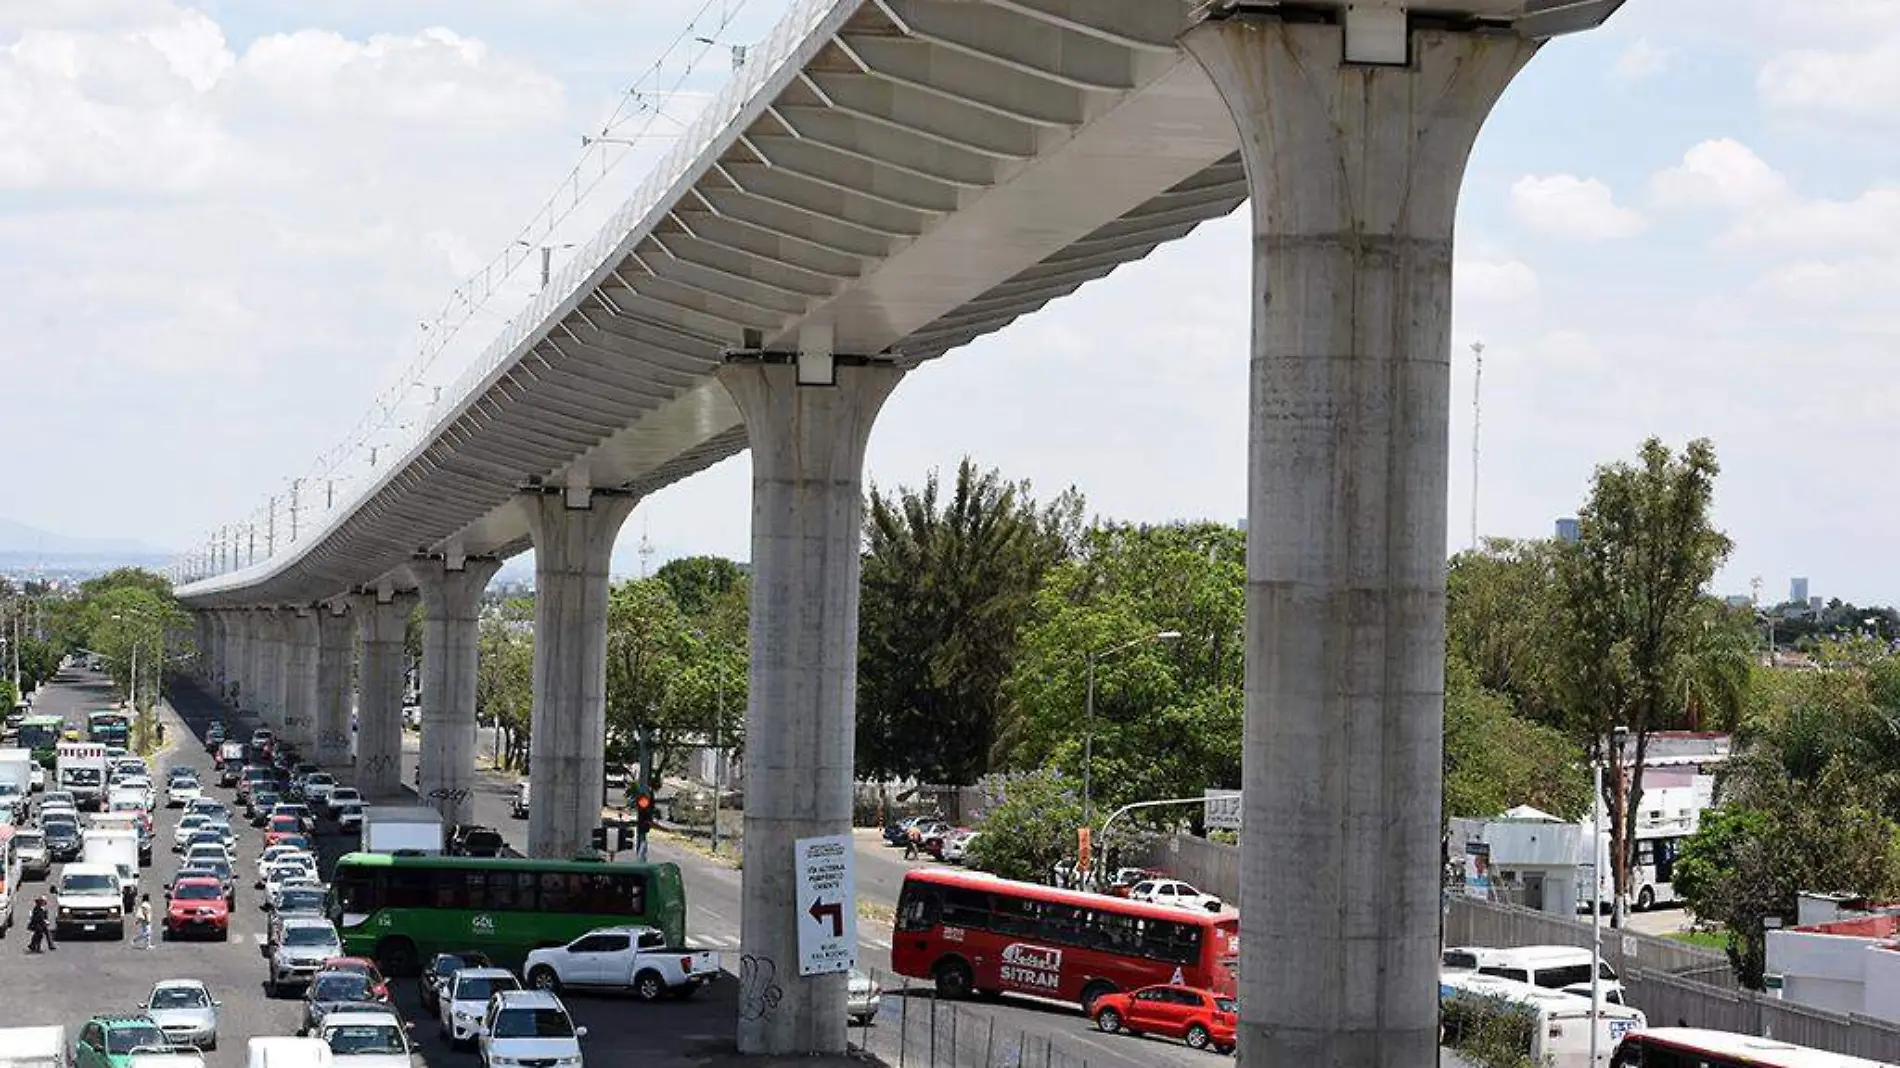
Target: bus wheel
{"type": "Point", "coordinates": [1198, 1038]}
{"type": "Point", "coordinates": [396, 956]}
{"type": "Point", "coordinates": [1109, 1020]}
{"type": "Point", "coordinates": [1646, 900]}
{"type": "Point", "coordinates": [543, 978]}
{"type": "Point", "coordinates": [954, 980]}
{"type": "Point", "coordinates": [1093, 991]}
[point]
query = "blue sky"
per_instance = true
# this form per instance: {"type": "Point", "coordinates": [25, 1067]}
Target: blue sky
{"type": "Point", "coordinates": [221, 223]}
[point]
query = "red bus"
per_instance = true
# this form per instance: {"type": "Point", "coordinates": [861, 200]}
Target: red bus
{"type": "Point", "coordinates": [972, 932]}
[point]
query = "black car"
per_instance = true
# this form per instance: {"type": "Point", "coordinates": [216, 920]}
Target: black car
{"type": "Point", "coordinates": [441, 968]}
{"type": "Point", "coordinates": [474, 840]}
{"type": "Point", "coordinates": [63, 842]}
{"type": "Point", "coordinates": [331, 990]}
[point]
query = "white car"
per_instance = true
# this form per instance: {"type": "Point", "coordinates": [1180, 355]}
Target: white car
{"type": "Point", "coordinates": [349, 817]}
{"type": "Point", "coordinates": [465, 999]}
{"type": "Point", "coordinates": [185, 1010]}
{"type": "Point", "coordinates": [183, 791]}
{"type": "Point", "coordinates": [187, 826]}
{"type": "Point", "coordinates": [287, 854]}
{"type": "Point", "coordinates": [366, 1037]}
{"type": "Point", "coordinates": [316, 788]}
{"type": "Point", "coordinates": [530, 1027]}
{"type": "Point", "coordinates": [957, 846]}
{"type": "Point", "coordinates": [1175, 894]}
{"type": "Point", "coordinates": [274, 892]}
{"type": "Point", "coordinates": [340, 796]}
{"type": "Point", "coordinates": [36, 777]}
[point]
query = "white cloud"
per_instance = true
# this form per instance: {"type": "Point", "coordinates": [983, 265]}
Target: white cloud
{"type": "Point", "coordinates": [1723, 173]}
{"type": "Point", "coordinates": [1579, 209]}
{"type": "Point", "coordinates": [1493, 281]}
{"type": "Point", "coordinates": [1643, 59]}
{"type": "Point", "coordinates": [1868, 221]}
{"type": "Point", "coordinates": [1859, 83]}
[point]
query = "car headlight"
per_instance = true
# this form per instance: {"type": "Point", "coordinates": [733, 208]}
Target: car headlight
{"type": "Point", "coordinates": [568, 1062]}
{"type": "Point", "coordinates": [464, 1014]}
{"type": "Point", "coordinates": [64, 911]}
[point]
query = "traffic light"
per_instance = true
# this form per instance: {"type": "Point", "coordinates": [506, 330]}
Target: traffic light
{"type": "Point", "coordinates": [623, 837]}
{"type": "Point", "coordinates": [643, 808]}
{"type": "Point", "coordinates": [599, 836]}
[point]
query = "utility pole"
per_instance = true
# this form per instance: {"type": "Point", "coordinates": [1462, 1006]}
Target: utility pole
{"type": "Point", "coordinates": [1477, 426]}
{"type": "Point", "coordinates": [270, 529]}
{"type": "Point", "coordinates": [718, 758]}
{"type": "Point", "coordinates": [296, 486]}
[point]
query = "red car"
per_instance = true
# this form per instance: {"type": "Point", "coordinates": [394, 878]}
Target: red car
{"type": "Point", "coordinates": [282, 827]}
{"type": "Point", "coordinates": [1201, 1018]}
{"type": "Point", "coordinates": [367, 968]}
{"type": "Point", "coordinates": [196, 905]}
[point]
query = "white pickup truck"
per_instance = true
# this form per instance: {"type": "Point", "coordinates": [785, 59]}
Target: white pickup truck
{"type": "Point", "coordinates": [622, 958]}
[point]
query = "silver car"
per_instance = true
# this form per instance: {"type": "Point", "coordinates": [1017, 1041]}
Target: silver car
{"type": "Point", "coordinates": [185, 1010]}
{"type": "Point", "coordinates": [862, 998]}
{"type": "Point", "coordinates": [302, 947]}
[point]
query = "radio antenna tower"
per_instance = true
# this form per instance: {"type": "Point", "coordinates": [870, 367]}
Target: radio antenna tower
{"type": "Point", "coordinates": [1477, 427]}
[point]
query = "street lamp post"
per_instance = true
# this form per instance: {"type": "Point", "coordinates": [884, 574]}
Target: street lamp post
{"type": "Point", "coordinates": [718, 758]}
{"type": "Point", "coordinates": [1088, 727]}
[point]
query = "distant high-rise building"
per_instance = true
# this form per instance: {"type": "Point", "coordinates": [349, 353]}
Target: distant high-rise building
{"type": "Point", "coordinates": [1569, 530]}
{"type": "Point", "coordinates": [1817, 604]}
{"type": "Point", "coordinates": [1798, 590]}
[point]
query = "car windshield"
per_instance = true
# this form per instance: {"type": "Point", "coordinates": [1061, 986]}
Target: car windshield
{"type": "Point", "coordinates": [349, 1039]}
{"type": "Point", "coordinates": [29, 839]}
{"type": "Point", "coordinates": [532, 1023]}
{"type": "Point", "coordinates": [482, 987]}
{"type": "Point", "coordinates": [126, 1037]}
{"type": "Point", "coordinates": [301, 901]}
{"type": "Point", "coordinates": [215, 864]}
{"type": "Point", "coordinates": [83, 883]}
{"type": "Point", "coordinates": [340, 986]}
{"type": "Point", "coordinates": [197, 892]}
{"type": "Point", "coordinates": [179, 997]}
{"type": "Point", "coordinates": [309, 936]}
{"type": "Point", "coordinates": [285, 823]}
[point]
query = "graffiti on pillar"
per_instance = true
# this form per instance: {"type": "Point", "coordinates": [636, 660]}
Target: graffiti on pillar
{"type": "Point", "coordinates": [456, 796]}
{"type": "Point", "coordinates": [759, 992]}
{"type": "Point", "coordinates": [334, 740]}
{"type": "Point", "coordinates": [295, 721]}
{"type": "Point", "coordinates": [380, 763]}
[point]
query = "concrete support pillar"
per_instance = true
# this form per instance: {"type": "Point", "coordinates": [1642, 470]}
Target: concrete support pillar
{"type": "Point", "coordinates": [1354, 172]}
{"type": "Point", "coordinates": [214, 653]}
{"type": "Point", "coordinates": [451, 629]}
{"type": "Point", "coordinates": [247, 646]}
{"type": "Point", "coordinates": [382, 622]}
{"type": "Point", "coordinates": [204, 636]}
{"type": "Point", "coordinates": [574, 533]}
{"type": "Point", "coordinates": [808, 446]}
{"type": "Point", "coordinates": [335, 679]}
{"type": "Point", "coordinates": [272, 663]}
{"type": "Point", "coordinates": [300, 678]}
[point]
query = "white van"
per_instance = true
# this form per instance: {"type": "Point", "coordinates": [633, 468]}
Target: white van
{"type": "Point", "coordinates": [289, 1053]}
{"type": "Point", "coordinates": [1564, 968]}
{"type": "Point", "coordinates": [33, 1047]}
{"type": "Point", "coordinates": [1559, 1034]}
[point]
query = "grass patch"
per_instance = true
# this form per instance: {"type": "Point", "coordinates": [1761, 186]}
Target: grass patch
{"type": "Point", "coordinates": [871, 910]}
{"type": "Point", "coordinates": [1716, 940]}
{"type": "Point", "coordinates": [728, 855]}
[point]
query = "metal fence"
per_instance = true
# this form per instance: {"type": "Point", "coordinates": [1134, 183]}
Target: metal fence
{"type": "Point", "coordinates": [1471, 922]}
{"type": "Point", "coordinates": [915, 1030]}
{"type": "Point", "coordinates": [1670, 1000]}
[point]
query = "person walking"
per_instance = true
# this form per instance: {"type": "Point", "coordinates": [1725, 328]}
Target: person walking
{"type": "Point", "coordinates": [37, 923]}
{"type": "Point", "coordinates": [912, 839]}
{"type": "Point", "coordinates": [143, 918]}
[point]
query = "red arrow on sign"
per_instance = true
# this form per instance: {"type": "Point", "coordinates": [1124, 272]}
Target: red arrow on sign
{"type": "Point", "coordinates": [819, 910]}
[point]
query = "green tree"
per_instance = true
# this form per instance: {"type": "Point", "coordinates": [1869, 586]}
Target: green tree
{"type": "Point", "coordinates": [1031, 829]}
{"type": "Point", "coordinates": [698, 583]}
{"type": "Point", "coordinates": [504, 678]}
{"type": "Point", "coordinates": [1502, 618]}
{"type": "Point", "coordinates": [1495, 760]}
{"type": "Point", "coordinates": [1636, 627]}
{"type": "Point", "coordinates": [1168, 712]}
{"type": "Point", "coordinates": [673, 681]}
{"type": "Point", "coordinates": [947, 584]}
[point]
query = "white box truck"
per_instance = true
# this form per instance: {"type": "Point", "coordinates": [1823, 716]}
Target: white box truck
{"type": "Point", "coordinates": [117, 847]}
{"type": "Point", "coordinates": [33, 1047]}
{"type": "Point", "coordinates": [81, 768]}
{"type": "Point", "coordinates": [16, 783]}
{"type": "Point", "coordinates": [402, 828]}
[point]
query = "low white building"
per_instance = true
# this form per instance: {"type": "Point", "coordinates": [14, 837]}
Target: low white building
{"type": "Point", "coordinates": [1850, 965]}
{"type": "Point", "coordinates": [1523, 856]}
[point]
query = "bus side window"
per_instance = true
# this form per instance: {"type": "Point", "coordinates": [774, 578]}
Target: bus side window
{"type": "Point", "coordinates": [966, 908]}
{"type": "Point", "coordinates": [1518, 974]}
{"type": "Point", "coordinates": [919, 909]}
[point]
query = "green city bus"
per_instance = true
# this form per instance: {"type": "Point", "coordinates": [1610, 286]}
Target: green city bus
{"type": "Point", "coordinates": [109, 727]}
{"type": "Point", "coordinates": [402, 910]}
{"type": "Point", "coordinates": [42, 734]}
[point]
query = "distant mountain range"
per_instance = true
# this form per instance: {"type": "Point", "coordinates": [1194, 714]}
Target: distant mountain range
{"type": "Point", "coordinates": [21, 541]}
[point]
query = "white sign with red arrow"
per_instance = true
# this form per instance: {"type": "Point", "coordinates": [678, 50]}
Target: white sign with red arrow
{"type": "Point", "coordinates": [827, 905]}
